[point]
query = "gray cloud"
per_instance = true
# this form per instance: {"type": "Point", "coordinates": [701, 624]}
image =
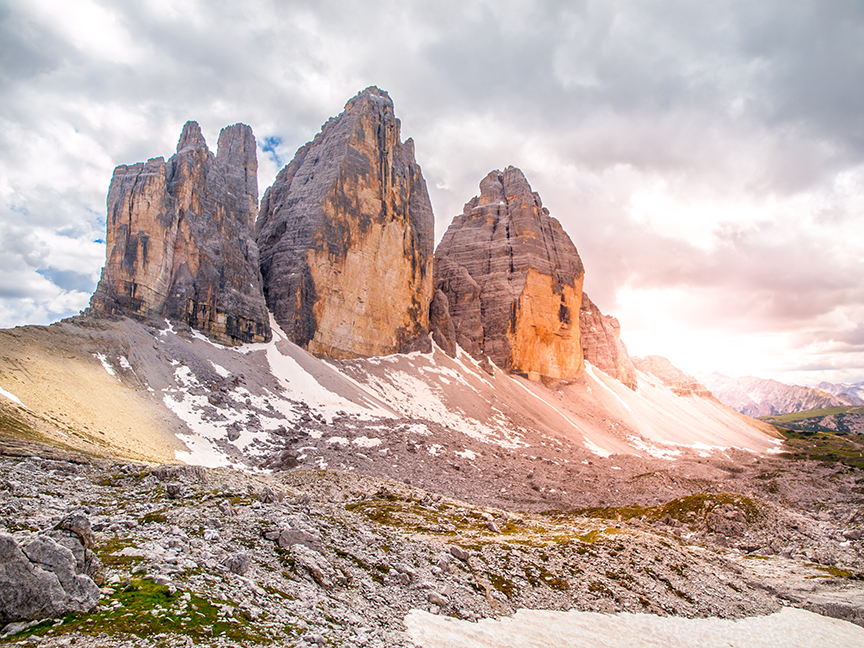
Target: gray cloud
{"type": "Point", "coordinates": [713, 149]}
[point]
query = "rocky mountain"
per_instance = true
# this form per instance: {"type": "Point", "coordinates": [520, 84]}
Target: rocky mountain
{"type": "Point", "coordinates": [329, 476]}
{"type": "Point", "coordinates": [346, 238]}
{"type": "Point", "coordinates": [843, 420]}
{"type": "Point", "coordinates": [602, 345]}
{"type": "Point", "coordinates": [853, 392]}
{"type": "Point", "coordinates": [762, 397]}
{"type": "Point", "coordinates": [511, 280]}
{"type": "Point", "coordinates": [679, 382]}
{"type": "Point", "coordinates": [180, 239]}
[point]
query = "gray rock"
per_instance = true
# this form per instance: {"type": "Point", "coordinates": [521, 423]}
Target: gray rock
{"type": "Point", "coordinates": [290, 537]}
{"type": "Point", "coordinates": [270, 496]}
{"type": "Point", "coordinates": [211, 535]}
{"type": "Point", "coordinates": [436, 599]}
{"type": "Point", "coordinates": [458, 552]}
{"type": "Point", "coordinates": [238, 563]}
{"type": "Point", "coordinates": [319, 569]}
{"type": "Point", "coordinates": [351, 205]}
{"type": "Point", "coordinates": [180, 240]}
{"type": "Point", "coordinates": [39, 580]}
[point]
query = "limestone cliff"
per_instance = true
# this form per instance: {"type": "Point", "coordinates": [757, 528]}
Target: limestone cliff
{"type": "Point", "coordinates": [602, 345]}
{"type": "Point", "coordinates": [512, 279]}
{"type": "Point", "coordinates": [180, 243]}
{"type": "Point", "coordinates": [681, 383]}
{"type": "Point", "coordinates": [346, 237]}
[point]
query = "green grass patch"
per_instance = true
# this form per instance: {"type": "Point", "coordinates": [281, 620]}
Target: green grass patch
{"type": "Point", "coordinates": [809, 414]}
{"type": "Point", "coordinates": [14, 427]}
{"type": "Point", "coordinates": [147, 609]}
{"type": "Point", "coordinates": [503, 585]}
{"type": "Point", "coordinates": [107, 553]}
{"type": "Point", "coordinates": [690, 510]}
{"type": "Point", "coordinates": [828, 447]}
{"type": "Point", "coordinates": [837, 572]}
{"type": "Point", "coordinates": [157, 517]}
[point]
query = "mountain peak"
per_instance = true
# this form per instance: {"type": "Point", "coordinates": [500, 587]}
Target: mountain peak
{"type": "Point", "coordinates": [179, 239]}
{"type": "Point", "coordinates": [346, 237]}
{"type": "Point", "coordinates": [191, 137]}
{"type": "Point", "coordinates": [513, 281]}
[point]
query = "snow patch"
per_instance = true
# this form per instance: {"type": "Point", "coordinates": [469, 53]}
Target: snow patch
{"type": "Point", "coordinates": [168, 330]}
{"type": "Point", "coordinates": [105, 364]}
{"type": "Point", "coordinates": [124, 363]}
{"type": "Point", "coordinates": [785, 629]}
{"type": "Point", "coordinates": [222, 371]}
{"type": "Point", "coordinates": [200, 336]}
{"type": "Point", "coordinates": [466, 454]}
{"type": "Point", "coordinates": [652, 450]}
{"type": "Point", "coordinates": [12, 397]}
{"type": "Point", "coordinates": [366, 442]}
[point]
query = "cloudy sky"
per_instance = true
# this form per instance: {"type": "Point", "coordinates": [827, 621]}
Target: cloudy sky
{"type": "Point", "coordinates": [707, 159]}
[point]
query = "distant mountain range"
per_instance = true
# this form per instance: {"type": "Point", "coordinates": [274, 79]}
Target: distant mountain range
{"type": "Point", "coordinates": [764, 397]}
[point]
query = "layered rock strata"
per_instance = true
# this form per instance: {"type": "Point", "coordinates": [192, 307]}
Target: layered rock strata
{"type": "Point", "coordinates": [680, 383]}
{"type": "Point", "coordinates": [602, 345]}
{"type": "Point", "coordinates": [346, 237]}
{"type": "Point", "coordinates": [180, 239]}
{"type": "Point", "coordinates": [512, 280]}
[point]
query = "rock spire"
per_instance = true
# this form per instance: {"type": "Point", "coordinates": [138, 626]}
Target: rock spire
{"type": "Point", "coordinates": [180, 242]}
{"type": "Point", "coordinates": [508, 282]}
{"type": "Point", "coordinates": [346, 237]}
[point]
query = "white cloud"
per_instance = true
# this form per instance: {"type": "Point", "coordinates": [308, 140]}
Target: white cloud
{"type": "Point", "coordinates": [706, 159]}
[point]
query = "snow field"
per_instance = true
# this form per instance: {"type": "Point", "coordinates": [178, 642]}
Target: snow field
{"type": "Point", "coordinates": [788, 628]}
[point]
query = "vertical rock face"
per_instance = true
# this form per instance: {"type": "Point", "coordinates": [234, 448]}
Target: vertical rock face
{"type": "Point", "coordinates": [602, 345]}
{"type": "Point", "coordinates": [346, 237]}
{"type": "Point", "coordinates": [512, 279]}
{"type": "Point", "coordinates": [180, 240]}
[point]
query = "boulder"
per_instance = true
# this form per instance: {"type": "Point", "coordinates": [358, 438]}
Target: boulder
{"type": "Point", "coordinates": [39, 581]}
{"type": "Point", "coordinates": [180, 239]}
{"type": "Point", "coordinates": [238, 563]}
{"type": "Point", "coordinates": [346, 238]}
{"type": "Point", "coordinates": [74, 533]}
{"type": "Point", "coordinates": [513, 282]}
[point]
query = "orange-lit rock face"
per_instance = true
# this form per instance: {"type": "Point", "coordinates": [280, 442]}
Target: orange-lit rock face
{"type": "Point", "coordinates": [512, 279]}
{"type": "Point", "coordinates": [346, 235]}
{"type": "Point", "coordinates": [179, 237]}
{"type": "Point", "coordinates": [545, 335]}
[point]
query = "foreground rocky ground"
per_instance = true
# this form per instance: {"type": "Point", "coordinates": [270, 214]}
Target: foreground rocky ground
{"type": "Point", "coordinates": [221, 557]}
